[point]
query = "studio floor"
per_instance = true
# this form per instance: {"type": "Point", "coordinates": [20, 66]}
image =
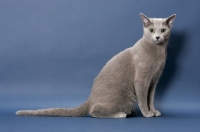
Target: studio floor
{"type": "Point", "coordinates": [170, 121]}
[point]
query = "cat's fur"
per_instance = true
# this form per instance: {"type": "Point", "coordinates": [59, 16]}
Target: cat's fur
{"type": "Point", "coordinates": [129, 76]}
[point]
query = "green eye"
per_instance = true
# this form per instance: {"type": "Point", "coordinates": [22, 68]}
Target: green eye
{"type": "Point", "coordinates": [151, 30]}
{"type": "Point", "coordinates": [163, 30]}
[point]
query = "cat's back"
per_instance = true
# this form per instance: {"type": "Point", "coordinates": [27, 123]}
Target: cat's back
{"type": "Point", "coordinates": [114, 82]}
{"type": "Point", "coordinates": [117, 71]}
{"type": "Point", "coordinates": [119, 64]}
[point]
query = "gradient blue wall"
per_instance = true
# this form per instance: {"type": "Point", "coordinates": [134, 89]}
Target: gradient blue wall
{"type": "Point", "coordinates": [50, 50]}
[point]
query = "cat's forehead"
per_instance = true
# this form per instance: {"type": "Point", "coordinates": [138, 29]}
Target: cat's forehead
{"type": "Point", "coordinates": [158, 22]}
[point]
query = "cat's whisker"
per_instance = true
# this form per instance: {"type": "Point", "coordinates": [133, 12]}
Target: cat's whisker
{"type": "Point", "coordinates": [172, 42]}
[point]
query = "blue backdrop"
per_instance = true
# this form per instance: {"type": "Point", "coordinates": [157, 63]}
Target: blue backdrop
{"type": "Point", "coordinates": [51, 50]}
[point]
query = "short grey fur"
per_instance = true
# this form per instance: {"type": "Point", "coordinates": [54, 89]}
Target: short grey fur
{"type": "Point", "coordinates": [129, 77]}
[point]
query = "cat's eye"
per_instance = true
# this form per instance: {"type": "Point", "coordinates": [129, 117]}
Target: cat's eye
{"type": "Point", "coordinates": [151, 30]}
{"type": "Point", "coordinates": [163, 30]}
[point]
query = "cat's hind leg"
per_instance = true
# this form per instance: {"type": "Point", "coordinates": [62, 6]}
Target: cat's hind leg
{"type": "Point", "coordinates": [117, 115]}
{"type": "Point", "coordinates": [106, 111]}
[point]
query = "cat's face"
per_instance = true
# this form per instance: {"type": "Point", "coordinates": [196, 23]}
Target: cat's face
{"type": "Point", "coordinates": [157, 30]}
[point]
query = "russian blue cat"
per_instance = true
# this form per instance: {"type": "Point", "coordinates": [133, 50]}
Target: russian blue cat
{"type": "Point", "coordinates": [129, 77]}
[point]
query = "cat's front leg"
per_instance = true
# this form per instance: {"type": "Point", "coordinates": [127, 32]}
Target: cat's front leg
{"type": "Point", "coordinates": [151, 100]}
{"type": "Point", "coordinates": [141, 90]}
{"type": "Point", "coordinates": [153, 110]}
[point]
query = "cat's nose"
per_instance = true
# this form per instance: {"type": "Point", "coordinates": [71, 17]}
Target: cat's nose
{"type": "Point", "coordinates": [157, 37]}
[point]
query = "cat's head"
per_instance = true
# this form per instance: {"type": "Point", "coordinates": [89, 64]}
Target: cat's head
{"type": "Point", "coordinates": [157, 30]}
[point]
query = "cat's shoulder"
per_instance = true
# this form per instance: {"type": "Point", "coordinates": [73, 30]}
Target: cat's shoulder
{"type": "Point", "coordinates": [125, 53]}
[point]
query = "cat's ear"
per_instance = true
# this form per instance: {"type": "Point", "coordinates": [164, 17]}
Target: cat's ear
{"type": "Point", "coordinates": [145, 20]}
{"type": "Point", "coordinates": [170, 20]}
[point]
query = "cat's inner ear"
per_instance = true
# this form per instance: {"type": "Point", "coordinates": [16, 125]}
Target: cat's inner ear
{"type": "Point", "coordinates": [170, 20]}
{"type": "Point", "coordinates": [145, 20]}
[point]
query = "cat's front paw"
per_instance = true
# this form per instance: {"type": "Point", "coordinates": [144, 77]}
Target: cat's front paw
{"type": "Point", "coordinates": [148, 114]}
{"type": "Point", "coordinates": [157, 113]}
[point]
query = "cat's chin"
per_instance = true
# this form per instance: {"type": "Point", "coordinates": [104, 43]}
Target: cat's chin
{"type": "Point", "coordinates": [159, 43]}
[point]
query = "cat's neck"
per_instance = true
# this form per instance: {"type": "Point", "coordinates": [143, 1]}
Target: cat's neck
{"type": "Point", "coordinates": [151, 47]}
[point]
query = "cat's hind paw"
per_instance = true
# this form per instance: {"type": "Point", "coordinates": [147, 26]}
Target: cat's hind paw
{"type": "Point", "coordinates": [119, 115]}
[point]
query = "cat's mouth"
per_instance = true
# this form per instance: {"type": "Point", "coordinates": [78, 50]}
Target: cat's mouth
{"type": "Point", "coordinates": [159, 42]}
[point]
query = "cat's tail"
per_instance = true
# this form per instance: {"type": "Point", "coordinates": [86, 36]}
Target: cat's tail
{"type": "Point", "coordinates": [82, 110]}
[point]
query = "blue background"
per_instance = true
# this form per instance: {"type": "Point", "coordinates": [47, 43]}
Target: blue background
{"type": "Point", "coordinates": [51, 50]}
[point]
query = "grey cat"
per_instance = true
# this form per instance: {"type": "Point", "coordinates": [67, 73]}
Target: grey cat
{"type": "Point", "coordinates": [129, 77]}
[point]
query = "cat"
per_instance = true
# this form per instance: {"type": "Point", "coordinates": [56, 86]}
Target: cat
{"type": "Point", "coordinates": [129, 77]}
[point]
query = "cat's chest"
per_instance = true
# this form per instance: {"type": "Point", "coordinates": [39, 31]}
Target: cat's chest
{"type": "Point", "coordinates": [157, 66]}
{"type": "Point", "coordinates": [149, 64]}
